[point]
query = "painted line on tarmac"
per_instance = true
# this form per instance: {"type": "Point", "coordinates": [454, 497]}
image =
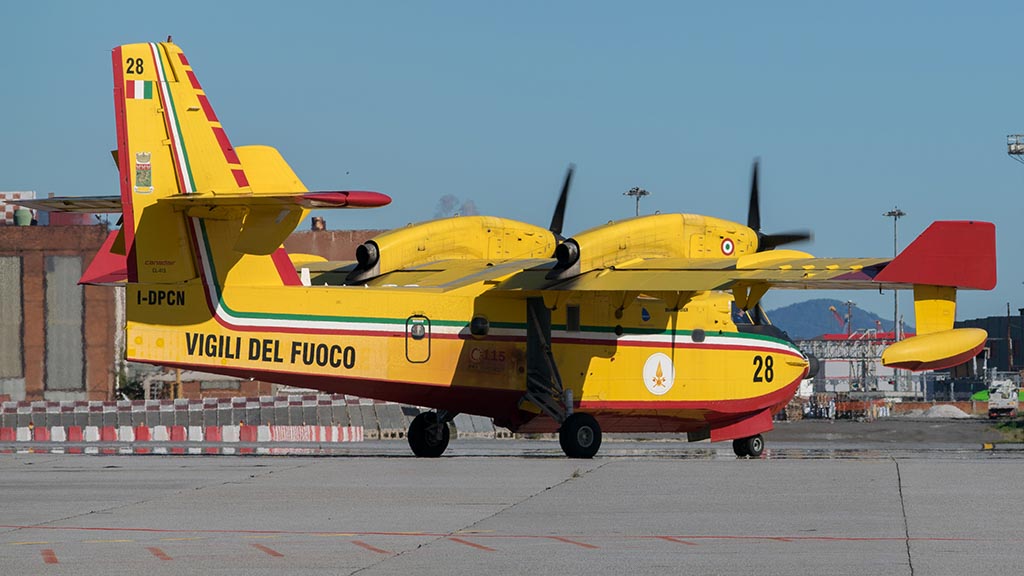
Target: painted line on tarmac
{"type": "Point", "coordinates": [158, 553]}
{"type": "Point", "coordinates": [573, 542]}
{"type": "Point", "coordinates": [269, 551]}
{"type": "Point", "coordinates": [49, 556]}
{"type": "Point", "coordinates": [366, 546]}
{"type": "Point", "coordinates": [472, 544]}
{"type": "Point", "coordinates": [569, 539]}
{"type": "Point", "coordinates": [676, 540]}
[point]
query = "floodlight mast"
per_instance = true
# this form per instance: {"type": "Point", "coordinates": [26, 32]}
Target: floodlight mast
{"type": "Point", "coordinates": [639, 193]}
{"type": "Point", "coordinates": [895, 214]}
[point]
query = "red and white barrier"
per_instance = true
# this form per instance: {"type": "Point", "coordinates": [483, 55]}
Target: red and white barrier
{"type": "Point", "coordinates": [180, 434]}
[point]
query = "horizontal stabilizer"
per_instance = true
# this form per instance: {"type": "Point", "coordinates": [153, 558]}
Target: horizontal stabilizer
{"type": "Point", "coordinates": [961, 254]}
{"type": "Point", "coordinates": [936, 351]}
{"type": "Point", "coordinates": [308, 200]}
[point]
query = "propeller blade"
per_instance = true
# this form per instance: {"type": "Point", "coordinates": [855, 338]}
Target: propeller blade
{"type": "Point", "coordinates": [770, 241]}
{"type": "Point", "coordinates": [754, 211]}
{"type": "Point", "coordinates": [559, 215]}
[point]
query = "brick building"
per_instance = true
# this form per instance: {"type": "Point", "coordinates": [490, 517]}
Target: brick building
{"type": "Point", "coordinates": [58, 340]}
{"type": "Point", "coordinates": [63, 341]}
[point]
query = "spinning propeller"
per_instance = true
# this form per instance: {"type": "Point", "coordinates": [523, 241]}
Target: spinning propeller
{"type": "Point", "coordinates": [768, 241]}
{"type": "Point", "coordinates": [559, 215]}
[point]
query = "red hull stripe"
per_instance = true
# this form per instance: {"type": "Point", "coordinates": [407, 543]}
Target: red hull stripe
{"type": "Point", "coordinates": [123, 155]}
{"type": "Point", "coordinates": [240, 178]}
{"type": "Point", "coordinates": [225, 145]}
{"type": "Point", "coordinates": [285, 269]}
{"type": "Point", "coordinates": [722, 406]}
{"type": "Point", "coordinates": [207, 109]}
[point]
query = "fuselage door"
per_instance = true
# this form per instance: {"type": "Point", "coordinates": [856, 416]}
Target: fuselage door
{"type": "Point", "coordinates": [417, 339]}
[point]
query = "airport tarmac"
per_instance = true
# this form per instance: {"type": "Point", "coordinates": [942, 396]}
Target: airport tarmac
{"type": "Point", "coordinates": [515, 507]}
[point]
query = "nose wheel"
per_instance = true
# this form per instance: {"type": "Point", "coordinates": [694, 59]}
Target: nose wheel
{"type": "Point", "coordinates": [580, 436]}
{"type": "Point", "coordinates": [428, 435]}
{"type": "Point", "coordinates": [752, 446]}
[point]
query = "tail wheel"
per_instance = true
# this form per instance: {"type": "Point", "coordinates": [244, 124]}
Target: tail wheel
{"type": "Point", "coordinates": [580, 436]}
{"type": "Point", "coordinates": [752, 446]}
{"type": "Point", "coordinates": [428, 437]}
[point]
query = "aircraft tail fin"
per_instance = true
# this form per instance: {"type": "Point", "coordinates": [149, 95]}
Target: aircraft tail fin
{"type": "Point", "coordinates": [193, 204]}
{"type": "Point", "coordinates": [947, 256]}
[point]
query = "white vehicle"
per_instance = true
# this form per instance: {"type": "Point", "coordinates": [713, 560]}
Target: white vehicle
{"type": "Point", "coordinates": [1003, 398]}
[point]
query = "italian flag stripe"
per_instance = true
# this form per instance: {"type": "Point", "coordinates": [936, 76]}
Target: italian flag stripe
{"type": "Point", "coordinates": [139, 90]}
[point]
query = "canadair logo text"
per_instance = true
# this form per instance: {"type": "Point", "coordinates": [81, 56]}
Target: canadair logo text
{"type": "Point", "coordinates": [269, 350]}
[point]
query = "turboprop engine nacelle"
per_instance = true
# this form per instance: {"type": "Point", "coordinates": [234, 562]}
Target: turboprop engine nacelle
{"type": "Point", "coordinates": [463, 238]}
{"type": "Point", "coordinates": [657, 236]}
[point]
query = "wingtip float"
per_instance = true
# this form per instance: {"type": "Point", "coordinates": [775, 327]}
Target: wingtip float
{"type": "Point", "coordinates": [630, 326]}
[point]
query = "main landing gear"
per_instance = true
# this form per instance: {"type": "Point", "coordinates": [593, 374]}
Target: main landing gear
{"type": "Point", "coordinates": [752, 446]}
{"type": "Point", "coordinates": [580, 436]}
{"type": "Point", "coordinates": [429, 433]}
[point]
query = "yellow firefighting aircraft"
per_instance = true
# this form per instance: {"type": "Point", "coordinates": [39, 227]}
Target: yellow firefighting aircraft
{"type": "Point", "coordinates": [651, 324]}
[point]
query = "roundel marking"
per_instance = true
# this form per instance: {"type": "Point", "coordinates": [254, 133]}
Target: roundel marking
{"type": "Point", "coordinates": [728, 246]}
{"type": "Point", "coordinates": [659, 374]}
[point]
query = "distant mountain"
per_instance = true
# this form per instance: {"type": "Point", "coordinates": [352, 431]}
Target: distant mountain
{"type": "Point", "coordinates": [813, 318]}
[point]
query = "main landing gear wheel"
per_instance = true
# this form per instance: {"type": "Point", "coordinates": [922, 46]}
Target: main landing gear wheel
{"type": "Point", "coordinates": [580, 436]}
{"type": "Point", "coordinates": [427, 436]}
{"type": "Point", "coordinates": [752, 446]}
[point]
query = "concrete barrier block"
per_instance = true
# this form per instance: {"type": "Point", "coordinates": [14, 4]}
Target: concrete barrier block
{"type": "Point", "coordinates": [226, 417]}
{"type": "Point", "coordinates": [92, 434]}
{"type": "Point", "coordinates": [233, 433]}
{"type": "Point", "coordinates": [24, 434]}
{"type": "Point", "coordinates": [324, 415]}
{"type": "Point", "coordinates": [390, 420]}
{"type": "Point", "coordinates": [281, 416]}
{"type": "Point", "coordinates": [309, 415]}
{"type": "Point", "coordinates": [195, 433]}
{"type": "Point", "coordinates": [371, 429]}
{"type": "Point", "coordinates": [161, 433]}
{"type": "Point", "coordinates": [125, 434]}
{"type": "Point", "coordinates": [339, 415]}
{"type": "Point", "coordinates": [58, 434]}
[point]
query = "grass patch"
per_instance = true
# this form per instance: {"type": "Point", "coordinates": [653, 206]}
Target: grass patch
{"type": "Point", "coordinates": [1012, 430]}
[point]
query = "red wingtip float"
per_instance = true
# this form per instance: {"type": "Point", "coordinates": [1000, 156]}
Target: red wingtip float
{"type": "Point", "coordinates": [629, 326]}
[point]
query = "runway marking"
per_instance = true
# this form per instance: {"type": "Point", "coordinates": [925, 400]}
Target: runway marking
{"type": "Point", "coordinates": [269, 551]}
{"type": "Point", "coordinates": [362, 544]}
{"type": "Point", "coordinates": [472, 544]}
{"type": "Point", "coordinates": [676, 540]}
{"type": "Point", "coordinates": [105, 541]}
{"type": "Point", "coordinates": [158, 553]}
{"type": "Point", "coordinates": [27, 543]}
{"type": "Point", "coordinates": [182, 539]}
{"type": "Point", "coordinates": [261, 537]}
{"type": "Point", "coordinates": [573, 542]}
{"type": "Point", "coordinates": [49, 556]}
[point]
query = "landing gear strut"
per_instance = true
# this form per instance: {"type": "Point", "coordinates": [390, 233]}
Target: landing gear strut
{"type": "Point", "coordinates": [752, 446]}
{"type": "Point", "coordinates": [429, 434]}
{"type": "Point", "coordinates": [580, 436]}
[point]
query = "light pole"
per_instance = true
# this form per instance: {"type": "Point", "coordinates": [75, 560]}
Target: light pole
{"type": "Point", "coordinates": [895, 214]}
{"type": "Point", "coordinates": [639, 193]}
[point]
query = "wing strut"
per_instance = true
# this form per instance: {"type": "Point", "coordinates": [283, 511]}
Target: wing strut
{"type": "Point", "coordinates": [543, 382]}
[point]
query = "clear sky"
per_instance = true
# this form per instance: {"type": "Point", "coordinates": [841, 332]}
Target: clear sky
{"type": "Point", "coordinates": [854, 108]}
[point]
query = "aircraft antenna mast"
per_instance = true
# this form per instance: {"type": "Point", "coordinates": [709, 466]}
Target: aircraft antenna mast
{"type": "Point", "coordinates": [639, 193]}
{"type": "Point", "coordinates": [1015, 147]}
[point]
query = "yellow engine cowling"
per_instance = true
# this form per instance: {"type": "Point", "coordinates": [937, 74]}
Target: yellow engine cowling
{"type": "Point", "coordinates": [464, 237]}
{"type": "Point", "coordinates": [657, 236]}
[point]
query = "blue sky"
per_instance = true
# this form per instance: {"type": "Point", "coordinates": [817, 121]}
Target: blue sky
{"type": "Point", "coordinates": [853, 108]}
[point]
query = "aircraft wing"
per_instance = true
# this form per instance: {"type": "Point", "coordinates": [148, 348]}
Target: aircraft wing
{"type": "Point", "coordinates": [948, 254]}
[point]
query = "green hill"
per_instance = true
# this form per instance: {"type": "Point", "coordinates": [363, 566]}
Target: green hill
{"type": "Point", "coordinates": [812, 318]}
